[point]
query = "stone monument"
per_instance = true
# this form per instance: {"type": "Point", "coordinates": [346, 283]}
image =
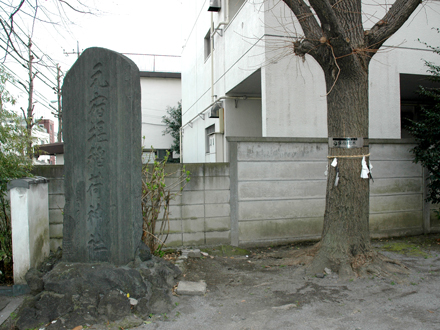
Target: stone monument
{"type": "Point", "coordinates": [102, 144]}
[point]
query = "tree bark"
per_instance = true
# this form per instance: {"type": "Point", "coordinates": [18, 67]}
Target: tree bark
{"type": "Point", "coordinates": [346, 233]}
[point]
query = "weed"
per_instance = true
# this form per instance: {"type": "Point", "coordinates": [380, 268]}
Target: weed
{"type": "Point", "coordinates": [156, 197]}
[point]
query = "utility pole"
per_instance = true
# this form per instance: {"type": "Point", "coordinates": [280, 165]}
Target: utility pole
{"type": "Point", "coordinates": [78, 53]}
{"type": "Point", "coordinates": [29, 114]}
{"type": "Point", "coordinates": [60, 110]}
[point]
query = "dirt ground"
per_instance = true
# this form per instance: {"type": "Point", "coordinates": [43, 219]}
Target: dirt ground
{"type": "Point", "coordinates": [257, 289]}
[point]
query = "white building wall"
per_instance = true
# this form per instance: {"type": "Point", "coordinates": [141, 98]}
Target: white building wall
{"type": "Point", "coordinates": [293, 95]}
{"type": "Point", "coordinates": [157, 95]}
{"type": "Point", "coordinates": [238, 54]}
{"type": "Point", "coordinates": [402, 53]}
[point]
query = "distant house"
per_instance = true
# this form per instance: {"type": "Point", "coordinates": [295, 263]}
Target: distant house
{"type": "Point", "coordinates": [46, 126]}
{"type": "Point", "coordinates": [262, 90]}
{"type": "Point", "coordinates": [159, 91]}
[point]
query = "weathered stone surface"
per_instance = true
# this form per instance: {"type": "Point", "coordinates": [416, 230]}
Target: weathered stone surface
{"type": "Point", "coordinates": [34, 279]}
{"type": "Point", "coordinates": [191, 288]}
{"type": "Point", "coordinates": [79, 278]}
{"type": "Point", "coordinates": [54, 305]}
{"type": "Point", "coordinates": [91, 293]}
{"type": "Point", "coordinates": [114, 306]}
{"type": "Point", "coordinates": [160, 273]}
{"type": "Point", "coordinates": [144, 252]}
{"type": "Point", "coordinates": [102, 134]}
{"type": "Point", "coordinates": [191, 253]}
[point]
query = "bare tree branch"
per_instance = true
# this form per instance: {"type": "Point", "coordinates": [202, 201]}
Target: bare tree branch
{"type": "Point", "coordinates": [73, 8]}
{"type": "Point", "coordinates": [329, 21]}
{"type": "Point", "coordinates": [390, 23]}
{"type": "Point", "coordinates": [9, 41]}
{"type": "Point", "coordinates": [310, 26]}
{"type": "Point", "coordinates": [16, 10]}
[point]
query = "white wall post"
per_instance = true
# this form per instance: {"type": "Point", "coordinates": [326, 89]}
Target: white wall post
{"type": "Point", "coordinates": [30, 224]}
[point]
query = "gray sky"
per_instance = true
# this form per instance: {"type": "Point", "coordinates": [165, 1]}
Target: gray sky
{"type": "Point", "coordinates": [125, 26]}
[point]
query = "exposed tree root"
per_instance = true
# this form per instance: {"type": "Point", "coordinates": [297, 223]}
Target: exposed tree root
{"type": "Point", "coordinates": [363, 265]}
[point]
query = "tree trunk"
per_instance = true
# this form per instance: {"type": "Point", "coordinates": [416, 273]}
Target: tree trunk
{"type": "Point", "coordinates": [346, 235]}
{"type": "Point", "coordinates": [335, 38]}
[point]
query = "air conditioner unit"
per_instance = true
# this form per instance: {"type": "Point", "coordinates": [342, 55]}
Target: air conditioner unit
{"type": "Point", "coordinates": [214, 5]}
{"type": "Point", "coordinates": [215, 110]}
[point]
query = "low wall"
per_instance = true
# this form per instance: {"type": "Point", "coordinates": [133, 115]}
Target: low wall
{"type": "Point", "coordinates": [273, 191]}
{"type": "Point", "coordinates": [200, 215]}
{"type": "Point", "coordinates": [278, 190]}
{"type": "Point", "coordinates": [55, 175]}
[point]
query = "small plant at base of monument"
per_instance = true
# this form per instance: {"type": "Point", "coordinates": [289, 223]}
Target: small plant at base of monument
{"type": "Point", "coordinates": [156, 197]}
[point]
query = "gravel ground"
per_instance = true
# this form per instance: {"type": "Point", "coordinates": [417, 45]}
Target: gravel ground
{"type": "Point", "coordinates": [261, 292]}
{"type": "Point", "coordinates": [258, 289]}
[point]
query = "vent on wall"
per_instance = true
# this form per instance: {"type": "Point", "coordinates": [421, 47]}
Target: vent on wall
{"type": "Point", "coordinates": [214, 5]}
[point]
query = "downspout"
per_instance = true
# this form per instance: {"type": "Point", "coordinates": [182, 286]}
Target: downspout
{"type": "Point", "coordinates": [226, 22]}
{"type": "Point", "coordinates": [180, 144]}
{"type": "Point", "coordinates": [213, 31]}
{"type": "Point", "coordinates": [212, 57]}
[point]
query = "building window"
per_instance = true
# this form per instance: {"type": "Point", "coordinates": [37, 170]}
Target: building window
{"type": "Point", "coordinates": [209, 137]}
{"type": "Point", "coordinates": [411, 102]}
{"type": "Point", "coordinates": [207, 44]}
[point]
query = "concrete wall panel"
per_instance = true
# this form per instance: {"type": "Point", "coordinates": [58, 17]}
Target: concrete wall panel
{"type": "Point", "coordinates": [252, 151]}
{"type": "Point", "coordinates": [396, 186]}
{"type": "Point", "coordinates": [395, 221]}
{"type": "Point", "coordinates": [217, 197]}
{"type": "Point", "coordinates": [281, 209]}
{"type": "Point", "coordinates": [218, 238]}
{"type": "Point", "coordinates": [280, 229]}
{"type": "Point", "coordinates": [217, 210]}
{"type": "Point", "coordinates": [396, 169]}
{"type": "Point", "coordinates": [263, 190]}
{"type": "Point", "coordinates": [281, 171]}
{"type": "Point", "coordinates": [218, 224]}
{"type": "Point", "coordinates": [379, 204]}
{"type": "Point", "coordinates": [192, 197]}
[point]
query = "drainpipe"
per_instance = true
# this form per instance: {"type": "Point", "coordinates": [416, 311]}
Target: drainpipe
{"type": "Point", "coordinates": [213, 31]}
{"type": "Point", "coordinates": [180, 144]}
{"type": "Point", "coordinates": [212, 57]}
{"type": "Point", "coordinates": [226, 22]}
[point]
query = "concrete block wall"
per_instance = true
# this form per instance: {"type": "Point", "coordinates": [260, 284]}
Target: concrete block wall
{"type": "Point", "coordinates": [273, 191]}
{"type": "Point", "coordinates": [278, 190]}
{"type": "Point", "coordinates": [55, 175]}
{"type": "Point", "coordinates": [201, 214]}
{"type": "Point", "coordinates": [397, 203]}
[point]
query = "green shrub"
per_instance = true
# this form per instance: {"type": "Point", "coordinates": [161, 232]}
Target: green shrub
{"type": "Point", "coordinates": [156, 197]}
{"type": "Point", "coordinates": [427, 132]}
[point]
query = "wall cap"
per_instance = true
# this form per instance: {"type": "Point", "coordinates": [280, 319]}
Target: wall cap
{"type": "Point", "coordinates": [26, 182]}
